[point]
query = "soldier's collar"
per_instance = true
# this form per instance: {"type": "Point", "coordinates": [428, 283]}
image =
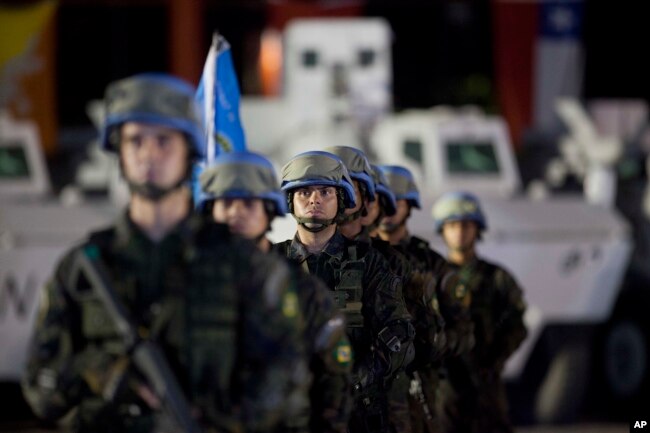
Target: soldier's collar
{"type": "Point", "coordinates": [334, 248]}
{"type": "Point", "coordinates": [127, 231]}
{"type": "Point", "coordinates": [364, 236]}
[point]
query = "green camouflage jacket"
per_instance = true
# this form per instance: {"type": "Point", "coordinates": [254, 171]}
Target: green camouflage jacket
{"type": "Point", "coordinates": [370, 296]}
{"type": "Point", "coordinates": [452, 297]}
{"type": "Point", "coordinates": [497, 309]}
{"type": "Point", "coordinates": [221, 312]}
{"type": "Point", "coordinates": [330, 356]}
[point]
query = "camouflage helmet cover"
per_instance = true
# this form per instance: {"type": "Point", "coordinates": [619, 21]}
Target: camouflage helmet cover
{"type": "Point", "coordinates": [243, 175]}
{"type": "Point", "coordinates": [402, 184]}
{"type": "Point", "coordinates": [153, 98]}
{"type": "Point", "coordinates": [358, 166]}
{"type": "Point", "coordinates": [318, 168]}
{"type": "Point", "coordinates": [387, 198]}
{"type": "Point", "coordinates": [458, 206]}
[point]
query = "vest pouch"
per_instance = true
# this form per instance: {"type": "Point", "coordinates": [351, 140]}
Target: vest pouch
{"type": "Point", "coordinates": [349, 290]}
{"type": "Point", "coordinates": [96, 323]}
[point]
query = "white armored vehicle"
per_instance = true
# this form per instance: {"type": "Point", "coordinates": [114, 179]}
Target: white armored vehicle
{"type": "Point", "coordinates": [575, 255]}
{"type": "Point", "coordinates": [36, 227]}
{"type": "Point", "coordinates": [570, 252]}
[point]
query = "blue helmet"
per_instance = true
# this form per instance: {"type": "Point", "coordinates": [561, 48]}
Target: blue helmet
{"type": "Point", "coordinates": [242, 175]}
{"type": "Point", "coordinates": [458, 206]}
{"type": "Point", "coordinates": [358, 166]}
{"type": "Point", "coordinates": [318, 168]}
{"type": "Point", "coordinates": [386, 196]}
{"type": "Point", "coordinates": [153, 98]}
{"type": "Point", "coordinates": [401, 182]}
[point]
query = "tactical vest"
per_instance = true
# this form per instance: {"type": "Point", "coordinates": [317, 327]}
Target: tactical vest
{"type": "Point", "coordinates": [348, 289]}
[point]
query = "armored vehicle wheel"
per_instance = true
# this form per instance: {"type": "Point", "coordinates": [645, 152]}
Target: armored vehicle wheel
{"type": "Point", "coordinates": [561, 395]}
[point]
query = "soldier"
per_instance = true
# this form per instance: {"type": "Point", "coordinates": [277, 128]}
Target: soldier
{"type": "Point", "coordinates": [209, 302]}
{"type": "Point", "coordinates": [440, 309]}
{"type": "Point", "coordinates": [242, 191]}
{"type": "Point", "coordinates": [354, 227]}
{"type": "Point", "coordinates": [319, 191]}
{"type": "Point", "coordinates": [475, 401]}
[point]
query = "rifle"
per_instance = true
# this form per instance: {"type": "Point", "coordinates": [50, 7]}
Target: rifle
{"type": "Point", "coordinates": [145, 354]}
{"type": "Point", "coordinates": [417, 392]}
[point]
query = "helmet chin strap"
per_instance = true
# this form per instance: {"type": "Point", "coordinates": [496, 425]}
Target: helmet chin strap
{"type": "Point", "coordinates": [392, 227]}
{"type": "Point", "coordinates": [322, 223]}
{"type": "Point", "coordinates": [345, 219]}
{"type": "Point", "coordinates": [152, 192]}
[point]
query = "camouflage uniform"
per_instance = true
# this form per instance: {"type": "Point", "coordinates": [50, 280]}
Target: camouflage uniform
{"type": "Point", "coordinates": [364, 279]}
{"type": "Point", "coordinates": [221, 312]}
{"type": "Point", "coordinates": [474, 398]}
{"type": "Point", "coordinates": [361, 171]}
{"type": "Point", "coordinates": [439, 308]}
{"type": "Point", "coordinates": [476, 401]}
{"type": "Point", "coordinates": [331, 355]}
{"type": "Point", "coordinates": [422, 304]}
{"type": "Point", "coordinates": [224, 316]}
{"type": "Point", "coordinates": [450, 305]}
{"type": "Point", "coordinates": [247, 175]}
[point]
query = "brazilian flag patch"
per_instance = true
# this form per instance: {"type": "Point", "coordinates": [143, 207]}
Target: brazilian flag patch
{"type": "Point", "coordinates": [290, 305]}
{"type": "Point", "coordinates": [435, 305]}
{"type": "Point", "coordinates": [343, 353]}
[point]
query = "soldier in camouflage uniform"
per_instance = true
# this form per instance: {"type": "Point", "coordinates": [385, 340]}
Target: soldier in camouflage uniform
{"type": "Point", "coordinates": [353, 226]}
{"type": "Point", "coordinates": [241, 190]}
{"type": "Point", "coordinates": [475, 401]}
{"type": "Point", "coordinates": [213, 304]}
{"type": "Point", "coordinates": [438, 303]}
{"type": "Point", "coordinates": [319, 191]}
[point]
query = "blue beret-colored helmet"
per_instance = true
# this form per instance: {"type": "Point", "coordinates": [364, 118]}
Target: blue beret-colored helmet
{"type": "Point", "coordinates": [153, 98]}
{"type": "Point", "coordinates": [358, 166]}
{"type": "Point", "coordinates": [318, 168]}
{"type": "Point", "coordinates": [458, 206]}
{"type": "Point", "coordinates": [386, 196]}
{"type": "Point", "coordinates": [242, 175]}
{"type": "Point", "coordinates": [401, 182]}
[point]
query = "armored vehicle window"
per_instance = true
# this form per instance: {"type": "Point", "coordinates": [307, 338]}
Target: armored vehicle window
{"type": "Point", "coordinates": [471, 158]}
{"type": "Point", "coordinates": [13, 162]}
{"type": "Point", "coordinates": [366, 58]}
{"type": "Point", "coordinates": [412, 148]}
{"type": "Point", "coordinates": [309, 58]}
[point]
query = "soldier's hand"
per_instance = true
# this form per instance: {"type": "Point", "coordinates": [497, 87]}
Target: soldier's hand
{"type": "Point", "coordinates": [147, 395]}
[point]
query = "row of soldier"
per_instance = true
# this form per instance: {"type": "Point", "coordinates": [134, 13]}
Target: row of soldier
{"type": "Point", "coordinates": [353, 325]}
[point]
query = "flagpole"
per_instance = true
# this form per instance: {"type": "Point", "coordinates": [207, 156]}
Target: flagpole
{"type": "Point", "coordinates": [210, 99]}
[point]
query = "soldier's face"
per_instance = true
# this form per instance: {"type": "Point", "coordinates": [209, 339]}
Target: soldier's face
{"type": "Point", "coordinates": [373, 211]}
{"type": "Point", "coordinates": [153, 154]}
{"type": "Point", "coordinates": [400, 215]}
{"type": "Point", "coordinates": [316, 201]}
{"type": "Point", "coordinates": [460, 235]}
{"type": "Point", "coordinates": [245, 217]}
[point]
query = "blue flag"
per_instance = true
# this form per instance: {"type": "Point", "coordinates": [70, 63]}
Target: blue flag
{"type": "Point", "coordinates": [218, 95]}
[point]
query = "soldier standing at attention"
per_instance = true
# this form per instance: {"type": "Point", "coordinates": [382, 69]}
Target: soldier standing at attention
{"type": "Point", "coordinates": [319, 191]}
{"type": "Point", "coordinates": [439, 304]}
{"type": "Point", "coordinates": [212, 304]}
{"type": "Point", "coordinates": [475, 401]}
{"type": "Point", "coordinates": [242, 191]}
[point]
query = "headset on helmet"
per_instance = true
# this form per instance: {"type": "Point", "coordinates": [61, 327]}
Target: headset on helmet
{"type": "Point", "coordinates": [242, 175]}
{"type": "Point", "coordinates": [153, 98]}
{"type": "Point", "coordinates": [458, 206]}
{"type": "Point", "coordinates": [401, 183]}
